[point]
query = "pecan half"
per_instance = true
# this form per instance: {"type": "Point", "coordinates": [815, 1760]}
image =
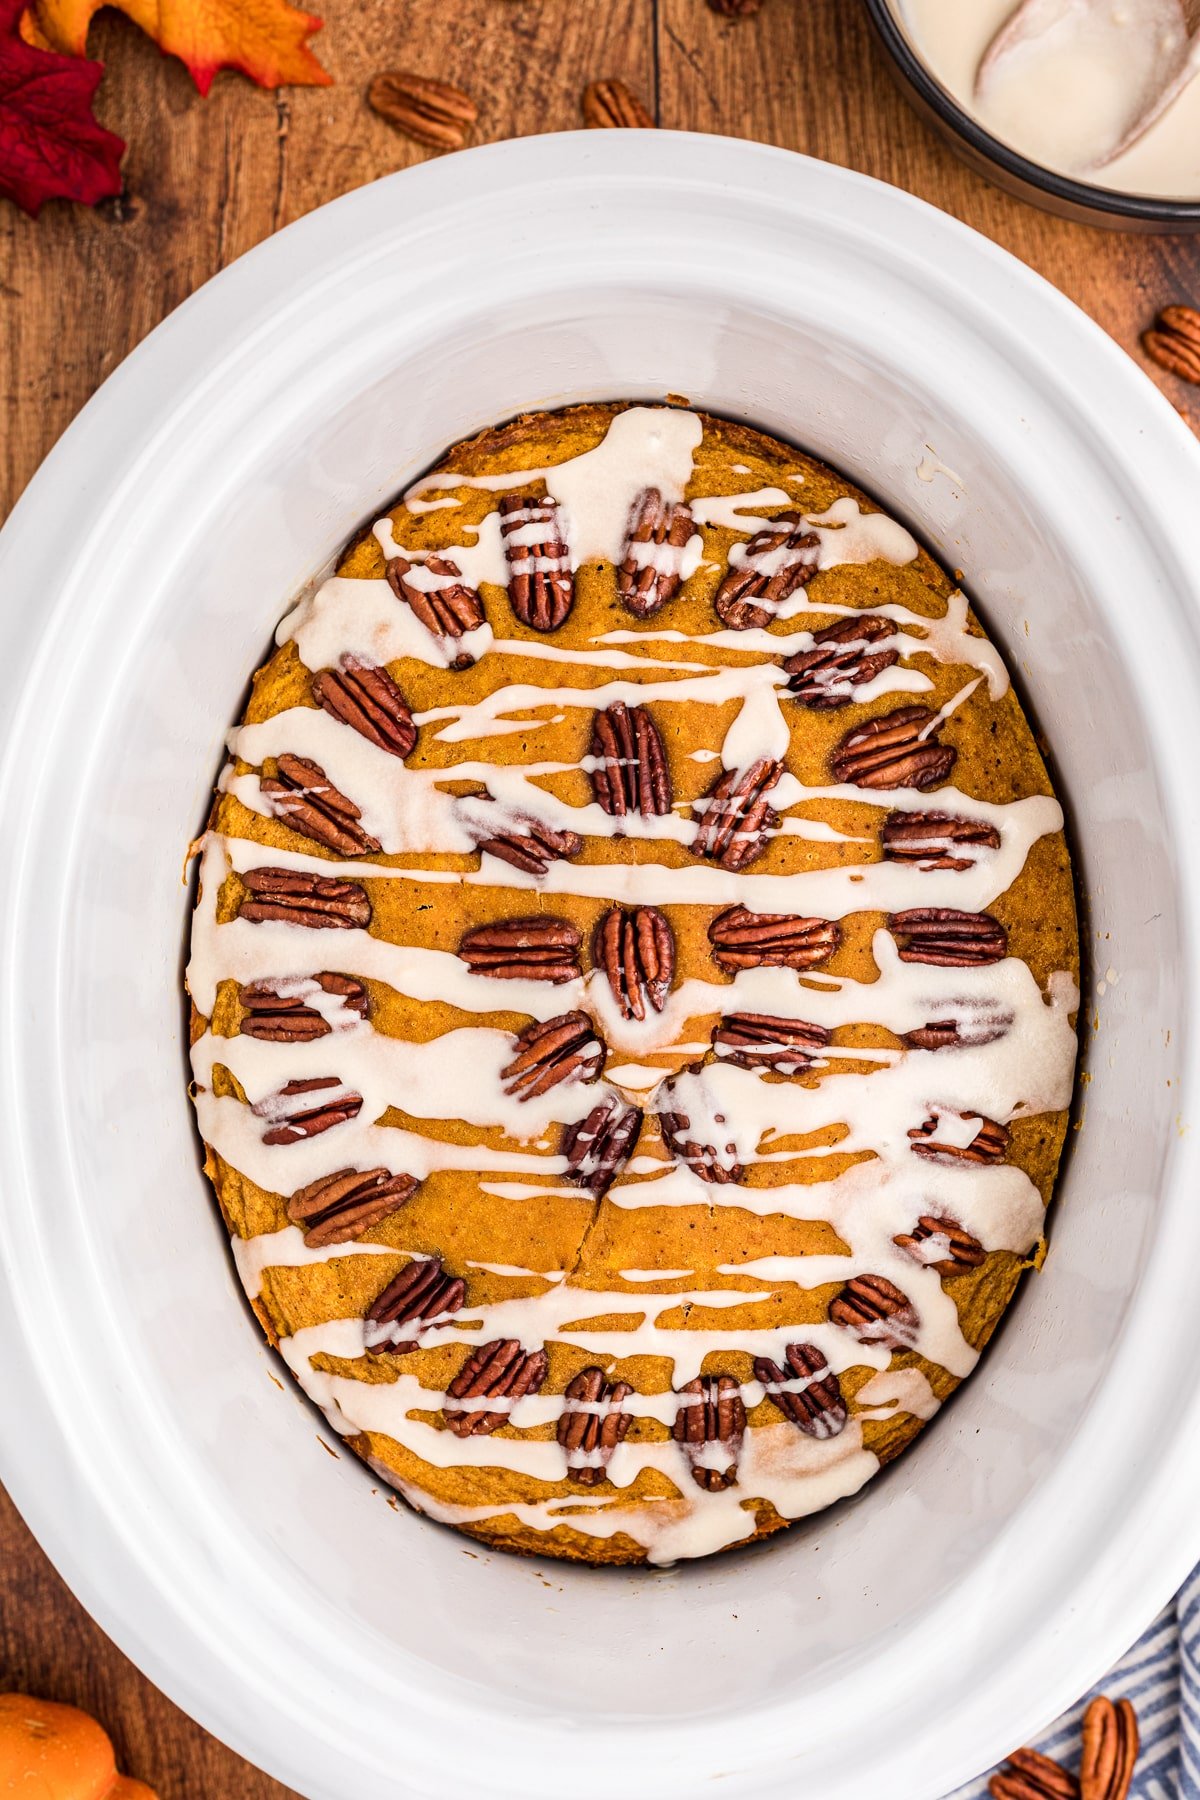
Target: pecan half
{"type": "Point", "coordinates": [636, 950]}
{"type": "Point", "coordinates": [302, 795]}
{"type": "Point", "coordinates": [898, 750]}
{"type": "Point", "coordinates": [1174, 343]}
{"type": "Point", "coordinates": [651, 569]}
{"type": "Point", "coordinates": [280, 1012]}
{"type": "Point", "coordinates": [748, 940]}
{"type": "Point", "coordinates": [939, 1242]}
{"type": "Point", "coordinates": [692, 1135]}
{"type": "Point", "coordinates": [758, 1041]}
{"type": "Point", "coordinates": [611, 103]}
{"type": "Point", "coordinates": [338, 1208]}
{"type": "Point", "coordinates": [839, 661]}
{"type": "Point", "coordinates": [537, 949]}
{"type": "Point", "coordinates": [781, 557]}
{"type": "Point", "coordinates": [541, 585]}
{"type": "Point", "coordinates": [551, 1053]}
{"type": "Point", "coordinates": [936, 840]}
{"type": "Point", "coordinates": [735, 819]}
{"type": "Point", "coordinates": [876, 1312]}
{"type": "Point", "coordinates": [1028, 1775]}
{"type": "Point", "coordinates": [1110, 1749]}
{"type": "Point", "coordinates": [807, 1392]}
{"type": "Point", "coordinates": [629, 772]}
{"type": "Point", "coordinates": [304, 1109]}
{"type": "Point", "coordinates": [364, 696]}
{"type": "Point", "coordinates": [987, 1146]}
{"type": "Point", "coordinates": [295, 898]}
{"type": "Point", "coordinates": [598, 1147]}
{"type": "Point", "coordinates": [447, 606]}
{"type": "Point", "coordinates": [429, 112]}
{"type": "Point", "coordinates": [483, 1393]}
{"type": "Point", "coordinates": [592, 1423]}
{"type": "Point", "coordinates": [534, 850]}
{"type": "Point", "coordinates": [975, 1027]}
{"type": "Point", "coordinates": [421, 1295]}
{"type": "Point", "coordinates": [710, 1425]}
{"type": "Point", "coordinates": [948, 939]}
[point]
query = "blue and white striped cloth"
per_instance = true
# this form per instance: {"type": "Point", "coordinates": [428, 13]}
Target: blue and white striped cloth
{"type": "Point", "coordinates": [1161, 1676]}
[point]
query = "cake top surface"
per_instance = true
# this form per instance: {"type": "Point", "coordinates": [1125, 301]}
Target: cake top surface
{"type": "Point", "coordinates": [634, 976]}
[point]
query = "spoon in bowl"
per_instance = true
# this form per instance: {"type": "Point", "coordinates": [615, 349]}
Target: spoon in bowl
{"type": "Point", "coordinates": [1083, 80]}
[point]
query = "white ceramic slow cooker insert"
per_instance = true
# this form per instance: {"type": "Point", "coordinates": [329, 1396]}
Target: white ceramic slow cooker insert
{"type": "Point", "coordinates": [910, 1637]}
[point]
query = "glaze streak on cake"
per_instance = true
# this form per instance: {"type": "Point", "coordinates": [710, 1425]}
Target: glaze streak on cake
{"type": "Point", "coordinates": [633, 985]}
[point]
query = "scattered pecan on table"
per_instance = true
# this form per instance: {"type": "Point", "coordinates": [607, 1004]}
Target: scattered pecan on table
{"type": "Point", "coordinates": [303, 797]}
{"type": "Point", "coordinates": [710, 1425]}
{"type": "Point", "coordinates": [364, 696]}
{"type": "Point", "coordinates": [1110, 1749]}
{"type": "Point", "coordinates": [611, 103]}
{"type": "Point", "coordinates": [841, 659]}
{"type": "Point", "coordinates": [481, 1397]}
{"type": "Point", "coordinates": [551, 1052]}
{"type": "Point", "coordinates": [340, 1207]}
{"type": "Point", "coordinates": [1174, 342]}
{"type": "Point", "coordinates": [651, 568]}
{"type": "Point", "coordinates": [1028, 1775]}
{"type": "Point", "coordinates": [636, 951]}
{"type": "Point", "coordinates": [295, 898]}
{"type": "Point", "coordinates": [592, 1423]}
{"type": "Point", "coordinates": [430, 112]}
{"type": "Point", "coordinates": [287, 1018]}
{"type": "Point", "coordinates": [805, 1390]}
{"type": "Point", "coordinates": [629, 764]}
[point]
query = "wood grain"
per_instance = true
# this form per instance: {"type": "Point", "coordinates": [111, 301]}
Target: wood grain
{"type": "Point", "coordinates": [208, 179]}
{"type": "Point", "coordinates": [49, 1646]}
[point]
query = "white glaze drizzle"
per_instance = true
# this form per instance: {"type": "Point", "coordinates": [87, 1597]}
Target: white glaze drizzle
{"type": "Point", "coordinates": [868, 1203]}
{"type": "Point", "coordinates": [643, 447]}
{"type": "Point", "coordinates": [286, 1249]}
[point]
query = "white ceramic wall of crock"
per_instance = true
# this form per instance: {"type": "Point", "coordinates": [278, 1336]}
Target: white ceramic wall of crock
{"type": "Point", "coordinates": [903, 1641]}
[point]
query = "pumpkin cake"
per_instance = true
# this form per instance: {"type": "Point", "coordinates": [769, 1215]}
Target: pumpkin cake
{"type": "Point", "coordinates": [633, 988]}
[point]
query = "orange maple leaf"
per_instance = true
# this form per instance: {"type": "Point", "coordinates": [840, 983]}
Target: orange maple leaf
{"type": "Point", "coordinates": [266, 39]}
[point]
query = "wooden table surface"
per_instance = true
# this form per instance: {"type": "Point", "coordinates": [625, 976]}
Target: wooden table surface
{"type": "Point", "coordinates": [207, 179]}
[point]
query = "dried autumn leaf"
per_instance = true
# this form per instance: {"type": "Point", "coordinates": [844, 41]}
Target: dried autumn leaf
{"type": "Point", "coordinates": [51, 148]}
{"type": "Point", "coordinates": [266, 39]}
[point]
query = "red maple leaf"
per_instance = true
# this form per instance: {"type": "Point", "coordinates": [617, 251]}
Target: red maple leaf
{"type": "Point", "coordinates": [50, 145]}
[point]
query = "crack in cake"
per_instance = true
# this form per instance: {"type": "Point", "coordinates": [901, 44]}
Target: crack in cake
{"type": "Point", "coordinates": [633, 987]}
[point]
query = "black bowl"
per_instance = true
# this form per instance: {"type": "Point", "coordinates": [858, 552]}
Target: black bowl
{"type": "Point", "coordinates": [1077, 200]}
